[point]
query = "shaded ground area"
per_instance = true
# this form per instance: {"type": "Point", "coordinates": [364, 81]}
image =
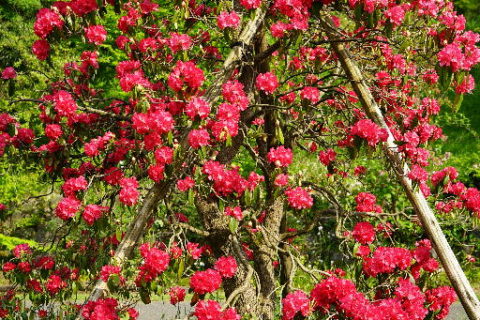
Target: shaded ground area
{"type": "Point", "coordinates": [165, 311]}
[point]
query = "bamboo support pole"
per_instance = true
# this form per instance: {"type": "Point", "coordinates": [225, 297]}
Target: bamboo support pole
{"type": "Point", "coordinates": [430, 223]}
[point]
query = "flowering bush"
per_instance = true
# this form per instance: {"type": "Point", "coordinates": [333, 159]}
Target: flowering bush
{"type": "Point", "coordinates": [230, 159]}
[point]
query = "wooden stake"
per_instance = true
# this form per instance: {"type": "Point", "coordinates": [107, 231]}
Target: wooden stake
{"type": "Point", "coordinates": [430, 223]}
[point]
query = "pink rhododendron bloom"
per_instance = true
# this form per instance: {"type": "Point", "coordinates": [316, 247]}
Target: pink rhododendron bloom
{"type": "Point", "coordinates": [177, 294]}
{"type": "Point", "coordinates": [310, 93]}
{"type": "Point", "coordinates": [197, 107]}
{"type": "Point", "coordinates": [267, 82]}
{"type": "Point", "coordinates": [370, 131]}
{"type": "Point", "coordinates": [299, 198]}
{"type": "Point", "coordinates": [67, 208]}
{"type": "Point", "coordinates": [281, 180]}
{"type": "Point", "coordinates": [96, 34]}
{"type": "Point", "coordinates": [128, 192]}
{"type": "Point", "coordinates": [41, 49]}
{"type": "Point", "coordinates": [251, 4]}
{"type": "Point", "coordinates": [108, 270]}
{"type": "Point", "coordinates": [21, 249]}
{"type": "Point", "coordinates": [466, 86]}
{"type": "Point", "coordinates": [227, 266]}
{"type": "Point", "coordinates": [155, 172]}
{"type": "Point", "coordinates": [155, 262]}
{"type": "Point", "coordinates": [280, 156]}
{"type": "Point", "coordinates": [396, 15]}
{"type": "Point", "coordinates": [93, 212]}
{"type": "Point", "coordinates": [185, 184]}
{"type": "Point", "coordinates": [440, 299]}
{"type": "Point", "coordinates": [366, 202]}
{"type": "Point", "coordinates": [228, 20]}
{"type": "Point", "coordinates": [185, 74]}
{"type": "Point", "coordinates": [198, 138]}
{"type": "Point", "coordinates": [46, 21]}
{"type": "Point", "coordinates": [364, 232]}
{"type": "Point", "coordinates": [295, 302]}
{"type": "Point", "coordinates": [387, 260]}
{"type": "Point", "coordinates": [179, 42]}
{"type": "Point", "coordinates": [9, 73]}
{"type": "Point", "coordinates": [205, 281]}
{"type": "Point", "coordinates": [54, 284]}
{"type": "Point", "coordinates": [327, 156]}
{"type": "Point", "coordinates": [235, 212]}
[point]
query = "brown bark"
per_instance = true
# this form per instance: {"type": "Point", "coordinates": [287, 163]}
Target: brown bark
{"type": "Point", "coordinates": [137, 227]}
{"type": "Point", "coordinates": [216, 223]}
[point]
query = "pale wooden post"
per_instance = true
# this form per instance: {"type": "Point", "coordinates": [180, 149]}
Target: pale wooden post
{"type": "Point", "coordinates": [430, 223]}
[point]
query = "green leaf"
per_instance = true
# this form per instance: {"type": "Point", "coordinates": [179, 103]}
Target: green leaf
{"type": "Point", "coordinates": [457, 102]}
{"type": "Point", "coordinates": [118, 235]}
{"type": "Point", "coordinates": [279, 135]}
{"type": "Point", "coordinates": [181, 268]}
{"type": "Point", "coordinates": [233, 225]}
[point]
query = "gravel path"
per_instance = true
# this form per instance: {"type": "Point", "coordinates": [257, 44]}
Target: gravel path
{"type": "Point", "coordinates": [457, 312]}
{"type": "Point", "coordinates": [165, 311]}
{"type": "Point", "coordinates": [159, 310]}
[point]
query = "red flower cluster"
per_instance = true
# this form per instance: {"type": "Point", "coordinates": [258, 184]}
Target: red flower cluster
{"type": "Point", "coordinates": [54, 284]}
{"type": "Point", "coordinates": [227, 266]}
{"type": "Point", "coordinates": [41, 49]}
{"type": "Point", "coordinates": [228, 20]}
{"type": "Point", "coordinates": [185, 75]}
{"type": "Point", "coordinates": [96, 34]}
{"type": "Point", "coordinates": [368, 130]}
{"type": "Point", "coordinates": [299, 198]}
{"type": "Point", "coordinates": [67, 208]}
{"type": "Point", "coordinates": [386, 260]}
{"type": "Point", "coordinates": [197, 107]}
{"type": "Point", "coordinates": [295, 302]}
{"type": "Point", "coordinates": [205, 281]}
{"type": "Point", "coordinates": [129, 194]}
{"type": "Point", "coordinates": [280, 156]}
{"type": "Point", "coordinates": [108, 270]}
{"type": "Point", "coordinates": [9, 73]}
{"type": "Point", "coordinates": [327, 156]}
{"type": "Point", "coordinates": [250, 4]}
{"type": "Point", "coordinates": [177, 294]}
{"type": "Point", "coordinates": [423, 258]}
{"type": "Point", "coordinates": [267, 82]}
{"type": "Point", "coordinates": [212, 310]}
{"type": "Point", "coordinates": [93, 212]}
{"type": "Point", "coordinates": [225, 182]}
{"type": "Point", "coordinates": [366, 202]}
{"type": "Point", "coordinates": [364, 232]}
{"type": "Point", "coordinates": [102, 309]}
{"type": "Point", "coordinates": [440, 299]}
{"type": "Point", "coordinates": [46, 21]}
{"type": "Point", "coordinates": [131, 74]}
{"type": "Point", "coordinates": [155, 262]}
{"type": "Point", "coordinates": [235, 212]}
{"type": "Point", "coordinates": [198, 138]}
{"type": "Point", "coordinates": [64, 103]}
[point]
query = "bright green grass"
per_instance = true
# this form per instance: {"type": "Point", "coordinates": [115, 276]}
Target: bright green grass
{"type": "Point", "coordinates": [463, 132]}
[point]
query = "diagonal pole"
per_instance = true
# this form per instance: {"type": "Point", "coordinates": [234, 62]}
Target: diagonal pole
{"type": "Point", "coordinates": [138, 226]}
{"type": "Point", "coordinates": [430, 223]}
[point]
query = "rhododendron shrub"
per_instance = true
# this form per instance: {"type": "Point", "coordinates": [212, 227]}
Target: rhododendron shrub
{"type": "Point", "coordinates": [178, 173]}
